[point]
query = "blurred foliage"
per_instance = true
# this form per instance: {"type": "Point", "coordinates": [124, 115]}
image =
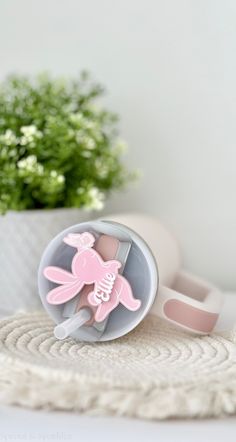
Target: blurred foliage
{"type": "Point", "coordinates": [57, 147]}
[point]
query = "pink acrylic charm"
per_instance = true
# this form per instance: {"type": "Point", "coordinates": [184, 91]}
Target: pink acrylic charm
{"type": "Point", "coordinates": [109, 287]}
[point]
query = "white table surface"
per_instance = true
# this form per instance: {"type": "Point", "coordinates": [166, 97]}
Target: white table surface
{"type": "Point", "coordinates": [18, 424]}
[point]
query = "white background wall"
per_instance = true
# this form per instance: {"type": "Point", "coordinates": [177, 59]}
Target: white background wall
{"type": "Point", "coordinates": [170, 69]}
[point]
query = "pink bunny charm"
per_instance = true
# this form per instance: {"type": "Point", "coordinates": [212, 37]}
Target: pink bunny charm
{"type": "Point", "coordinates": [88, 267]}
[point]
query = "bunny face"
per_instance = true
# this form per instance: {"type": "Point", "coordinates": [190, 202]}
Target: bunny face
{"type": "Point", "coordinates": [90, 267]}
{"type": "Point", "coordinates": [81, 241]}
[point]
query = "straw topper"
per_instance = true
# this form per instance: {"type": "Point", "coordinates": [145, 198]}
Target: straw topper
{"type": "Point", "coordinates": [109, 287]}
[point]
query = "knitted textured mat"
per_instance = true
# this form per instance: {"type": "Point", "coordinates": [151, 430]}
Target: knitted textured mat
{"type": "Point", "coordinates": [155, 372]}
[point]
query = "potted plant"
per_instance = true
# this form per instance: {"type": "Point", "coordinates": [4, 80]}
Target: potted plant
{"type": "Point", "coordinates": [59, 158]}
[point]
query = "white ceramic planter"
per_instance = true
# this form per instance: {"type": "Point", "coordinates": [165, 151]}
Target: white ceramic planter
{"type": "Point", "coordinates": [23, 237]}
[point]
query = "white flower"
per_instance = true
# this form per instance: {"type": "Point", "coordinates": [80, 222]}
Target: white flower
{"type": "Point", "coordinates": [30, 164]}
{"type": "Point", "coordinates": [86, 154]}
{"type": "Point", "coordinates": [12, 153]}
{"type": "Point", "coordinates": [96, 199]}
{"type": "Point", "coordinates": [77, 118]}
{"type": "Point", "coordinates": [89, 143]}
{"type": "Point", "coordinates": [121, 147]}
{"type": "Point", "coordinates": [60, 179]}
{"type": "Point", "coordinates": [102, 169]}
{"type": "Point", "coordinates": [30, 133]}
{"type": "Point", "coordinates": [8, 138]}
{"type": "Point", "coordinates": [40, 169]}
{"type": "Point", "coordinates": [80, 190]}
{"type": "Point", "coordinates": [90, 125]}
{"type": "Point", "coordinates": [23, 141]}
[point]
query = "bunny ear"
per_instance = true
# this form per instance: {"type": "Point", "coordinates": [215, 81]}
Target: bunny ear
{"type": "Point", "coordinates": [58, 275]}
{"type": "Point", "coordinates": [64, 293]}
{"type": "Point", "coordinates": [72, 240]}
{"type": "Point", "coordinates": [87, 239]}
{"type": "Point", "coordinates": [80, 241]}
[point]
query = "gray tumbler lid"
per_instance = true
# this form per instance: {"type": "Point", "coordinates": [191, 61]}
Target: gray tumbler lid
{"type": "Point", "coordinates": [140, 270]}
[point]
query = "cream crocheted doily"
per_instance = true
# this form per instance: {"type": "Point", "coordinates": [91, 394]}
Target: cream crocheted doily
{"type": "Point", "coordinates": [155, 372]}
